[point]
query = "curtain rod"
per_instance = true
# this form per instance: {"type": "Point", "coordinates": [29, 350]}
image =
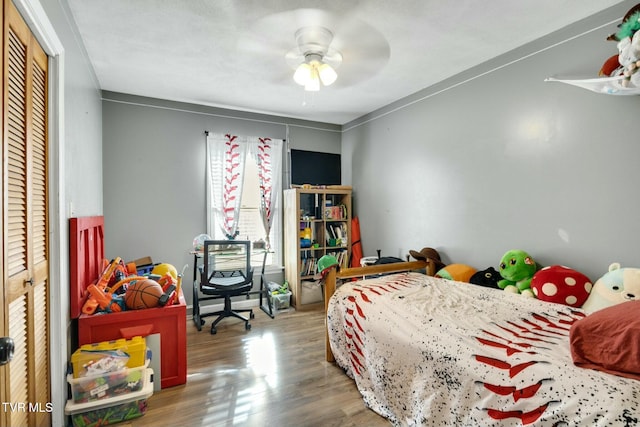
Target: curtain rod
{"type": "Point", "coordinates": [206, 133]}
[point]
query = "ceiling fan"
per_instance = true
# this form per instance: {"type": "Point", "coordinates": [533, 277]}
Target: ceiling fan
{"type": "Point", "coordinates": [314, 59]}
{"type": "Point", "coordinates": [338, 39]}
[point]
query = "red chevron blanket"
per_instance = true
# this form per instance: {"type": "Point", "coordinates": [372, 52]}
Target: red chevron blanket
{"type": "Point", "coordinates": [425, 351]}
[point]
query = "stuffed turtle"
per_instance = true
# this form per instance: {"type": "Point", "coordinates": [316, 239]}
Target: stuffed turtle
{"type": "Point", "coordinates": [517, 269]}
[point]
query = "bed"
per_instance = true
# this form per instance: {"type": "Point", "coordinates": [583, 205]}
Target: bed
{"type": "Point", "coordinates": [425, 351]}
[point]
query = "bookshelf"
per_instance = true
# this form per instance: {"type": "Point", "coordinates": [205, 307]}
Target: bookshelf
{"type": "Point", "coordinates": [317, 222]}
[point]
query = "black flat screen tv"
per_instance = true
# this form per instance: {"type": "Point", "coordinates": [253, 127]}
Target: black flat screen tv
{"type": "Point", "coordinates": [315, 168]}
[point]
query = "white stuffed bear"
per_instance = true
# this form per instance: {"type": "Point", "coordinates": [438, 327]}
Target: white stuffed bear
{"type": "Point", "coordinates": [616, 286]}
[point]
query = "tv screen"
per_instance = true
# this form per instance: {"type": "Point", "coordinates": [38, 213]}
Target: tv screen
{"type": "Point", "coordinates": [315, 168]}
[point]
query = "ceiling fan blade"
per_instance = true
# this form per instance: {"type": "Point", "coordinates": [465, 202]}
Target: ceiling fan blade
{"type": "Point", "coordinates": [356, 48]}
{"type": "Point", "coordinates": [294, 58]}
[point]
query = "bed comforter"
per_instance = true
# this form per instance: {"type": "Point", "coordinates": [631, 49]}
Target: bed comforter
{"type": "Point", "coordinates": [425, 351]}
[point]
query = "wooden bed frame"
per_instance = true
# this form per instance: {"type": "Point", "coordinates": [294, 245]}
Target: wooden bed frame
{"type": "Point", "coordinates": [347, 273]}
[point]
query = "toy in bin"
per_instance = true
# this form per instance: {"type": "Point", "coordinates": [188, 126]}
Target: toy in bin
{"type": "Point", "coordinates": [90, 354]}
{"type": "Point", "coordinates": [121, 287]}
{"type": "Point", "coordinates": [113, 410]}
{"type": "Point", "coordinates": [144, 293]}
{"type": "Point", "coordinates": [152, 291]}
{"type": "Point", "coordinates": [103, 362]}
{"type": "Point", "coordinates": [96, 290]}
{"type": "Point", "coordinates": [106, 385]}
{"type": "Point", "coordinates": [109, 416]}
{"type": "Point", "coordinates": [280, 295]}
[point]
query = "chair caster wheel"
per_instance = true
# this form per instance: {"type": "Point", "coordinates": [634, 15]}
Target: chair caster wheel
{"type": "Point", "coordinates": [247, 326]}
{"type": "Point", "coordinates": [214, 331]}
{"type": "Point", "coordinates": [252, 316]}
{"type": "Point", "coordinates": [201, 322]}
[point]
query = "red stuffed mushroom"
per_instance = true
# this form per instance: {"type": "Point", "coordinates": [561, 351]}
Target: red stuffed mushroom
{"type": "Point", "coordinates": [561, 285]}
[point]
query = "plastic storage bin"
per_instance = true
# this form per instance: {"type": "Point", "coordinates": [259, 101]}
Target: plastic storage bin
{"type": "Point", "coordinates": [112, 410]}
{"type": "Point", "coordinates": [135, 347]}
{"type": "Point", "coordinates": [104, 386]}
{"type": "Point", "coordinates": [310, 292]}
{"type": "Point", "coordinates": [281, 301]}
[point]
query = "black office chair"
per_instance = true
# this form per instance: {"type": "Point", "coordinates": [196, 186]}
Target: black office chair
{"type": "Point", "coordinates": [225, 272]}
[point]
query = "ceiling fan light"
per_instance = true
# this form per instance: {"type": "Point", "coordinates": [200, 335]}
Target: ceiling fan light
{"type": "Point", "coordinates": [313, 85]}
{"type": "Point", "coordinates": [303, 74]}
{"type": "Point", "coordinates": [327, 74]}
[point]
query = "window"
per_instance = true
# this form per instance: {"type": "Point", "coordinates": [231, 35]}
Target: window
{"type": "Point", "coordinates": [241, 171]}
{"type": "Point", "coordinates": [250, 223]}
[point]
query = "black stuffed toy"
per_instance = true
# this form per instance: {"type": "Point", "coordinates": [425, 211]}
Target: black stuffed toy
{"type": "Point", "coordinates": [487, 278]}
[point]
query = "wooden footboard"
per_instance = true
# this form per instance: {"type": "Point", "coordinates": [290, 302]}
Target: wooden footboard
{"type": "Point", "coordinates": [333, 276]}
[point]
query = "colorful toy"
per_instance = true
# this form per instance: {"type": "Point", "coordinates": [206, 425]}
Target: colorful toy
{"type": "Point", "coordinates": [168, 291]}
{"type": "Point", "coordinates": [487, 278]}
{"type": "Point", "coordinates": [88, 354]}
{"type": "Point", "coordinates": [616, 286]}
{"type": "Point", "coordinates": [91, 304]}
{"type": "Point", "coordinates": [164, 268]}
{"type": "Point", "coordinates": [142, 294]}
{"type": "Point", "coordinates": [176, 300]}
{"type": "Point", "coordinates": [107, 299]}
{"type": "Point", "coordinates": [106, 385]}
{"type": "Point", "coordinates": [103, 362]}
{"type": "Point", "coordinates": [111, 415]}
{"type": "Point", "coordinates": [457, 272]}
{"type": "Point", "coordinates": [517, 269]}
{"type": "Point", "coordinates": [561, 285]}
{"type": "Point", "coordinates": [277, 289]}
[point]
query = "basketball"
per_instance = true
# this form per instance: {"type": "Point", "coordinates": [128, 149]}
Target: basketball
{"type": "Point", "coordinates": [143, 294]}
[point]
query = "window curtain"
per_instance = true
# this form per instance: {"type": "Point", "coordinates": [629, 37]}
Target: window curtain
{"type": "Point", "coordinates": [226, 156]}
{"type": "Point", "coordinates": [267, 153]}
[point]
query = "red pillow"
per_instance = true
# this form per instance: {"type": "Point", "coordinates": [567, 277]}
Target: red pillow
{"type": "Point", "coordinates": [608, 340]}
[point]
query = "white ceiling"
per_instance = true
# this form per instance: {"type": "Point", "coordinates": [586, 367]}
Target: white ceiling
{"type": "Point", "coordinates": [231, 53]}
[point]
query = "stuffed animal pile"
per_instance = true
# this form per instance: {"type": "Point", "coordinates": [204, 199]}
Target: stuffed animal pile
{"type": "Point", "coordinates": [519, 273]}
{"type": "Point", "coordinates": [627, 62]}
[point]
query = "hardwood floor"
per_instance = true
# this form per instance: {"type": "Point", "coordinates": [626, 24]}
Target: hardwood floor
{"type": "Point", "coordinates": [272, 375]}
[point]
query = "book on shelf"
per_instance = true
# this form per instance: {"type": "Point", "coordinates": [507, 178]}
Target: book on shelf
{"type": "Point", "coordinates": [335, 212]}
{"type": "Point", "coordinates": [337, 233]}
{"type": "Point", "coordinates": [341, 257]}
{"type": "Point", "coordinates": [308, 266]}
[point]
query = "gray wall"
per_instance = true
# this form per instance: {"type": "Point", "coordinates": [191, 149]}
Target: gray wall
{"type": "Point", "coordinates": [154, 170]}
{"type": "Point", "coordinates": [82, 118]}
{"type": "Point", "coordinates": [497, 159]}
{"type": "Point", "coordinates": [80, 168]}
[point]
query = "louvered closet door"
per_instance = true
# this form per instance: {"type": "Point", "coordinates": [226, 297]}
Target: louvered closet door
{"type": "Point", "coordinates": [25, 227]}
